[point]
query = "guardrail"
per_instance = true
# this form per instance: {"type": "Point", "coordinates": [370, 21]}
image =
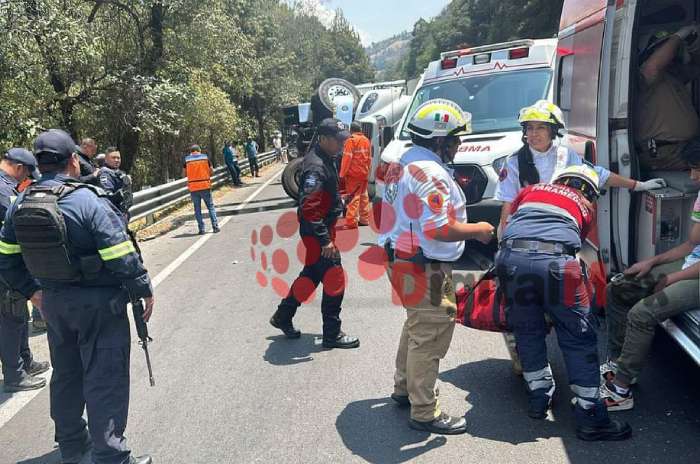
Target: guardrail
{"type": "Point", "coordinates": [149, 201]}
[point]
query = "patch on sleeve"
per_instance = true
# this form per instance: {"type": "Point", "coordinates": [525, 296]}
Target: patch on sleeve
{"type": "Point", "coordinates": [503, 175]}
{"type": "Point", "coordinates": [311, 182]}
{"type": "Point", "coordinates": [435, 202]}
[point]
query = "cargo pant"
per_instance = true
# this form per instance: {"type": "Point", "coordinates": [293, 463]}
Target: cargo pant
{"type": "Point", "coordinates": [90, 350]}
{"type": "Point", "coordinates": [631, 330]}
{"type": "Point", "coordinates": [359, 203]}
{"type": "Point", "coordinates": [15, 354]}
{"type": "Point", "coordinates": [427, 292]}
{"type": "Point", "coordinates": [537, 284]}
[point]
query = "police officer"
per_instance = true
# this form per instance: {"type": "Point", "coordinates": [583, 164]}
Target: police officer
{"type": "Point", "coordinates": [80, 271]}
{"type": "Point", "coordinates": [116, 182]}
{"type": "Point", "coordinates": [537, 266]}
{"type": "Point", "coordinates": [319, 208]}
{"type": "Point", "coordinates": [428, 212]}
{"type": "Point", "coordinates": [19, 369]}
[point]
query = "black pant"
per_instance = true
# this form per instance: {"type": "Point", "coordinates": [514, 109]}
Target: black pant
{"type": "Point", "coordinates": [317, 271]}
{"type": "Point", "coordinates": [253, 163]}
{"type": "Point", "coordinates": [14, 344]}
{"type": "Point", "coordinates": [235, 173]}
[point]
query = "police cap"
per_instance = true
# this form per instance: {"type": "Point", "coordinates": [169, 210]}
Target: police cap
{"type": "Point", "coordinates": [25, 157]}
{"type": "Point", "coordinates": [331, 127]}
{"type": "Point", "coordinates": [54, 146]}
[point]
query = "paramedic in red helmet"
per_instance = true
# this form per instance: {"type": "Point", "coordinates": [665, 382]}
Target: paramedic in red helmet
{"type": "Point", "coordinates": [426, 210]}
{"type": "Point", "coordinates": [539, 272]}
{"type": "Point", "coordinates": [542, 156]}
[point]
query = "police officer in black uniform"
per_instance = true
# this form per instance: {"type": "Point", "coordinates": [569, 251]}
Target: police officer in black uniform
{"type": "Point", "coordinates": [319, 208]}
{"type": "Point", "coordinates": [18, 365]}
{"type": "Point", "coordinates": [116, 182]}
{"type": "Point", "coordinates": [65, 246]}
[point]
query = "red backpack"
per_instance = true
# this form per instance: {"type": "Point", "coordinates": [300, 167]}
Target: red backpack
{"type": "Point", "coordinates": [483, 306]}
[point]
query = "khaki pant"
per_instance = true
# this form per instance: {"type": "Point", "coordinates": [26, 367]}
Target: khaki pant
{"type": "Point", "coordinates": [429, 298]}
{"type": "Point", "coordinates": [631, 330]}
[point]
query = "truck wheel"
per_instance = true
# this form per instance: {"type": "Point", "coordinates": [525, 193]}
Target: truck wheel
{"type": "Point", "coordinates": [333, 87]}
{"type": "Point", "coordinates": [291, 177]}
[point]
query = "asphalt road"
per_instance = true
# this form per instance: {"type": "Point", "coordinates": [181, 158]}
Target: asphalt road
{"type": "Point", "coordinates": [230, 389]}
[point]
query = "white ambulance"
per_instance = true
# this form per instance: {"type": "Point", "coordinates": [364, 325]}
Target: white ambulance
{"type": "Point", "coordinates": [493, 83]}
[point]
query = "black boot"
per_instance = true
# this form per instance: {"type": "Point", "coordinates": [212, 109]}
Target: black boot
{"type": "Point", "coordinates": [538, 403]}
{"type": "Point", "coordinates": [285, 326]}
{"type": "Point", "coordinates": [595, 425]}
{"type": "Point", "coordinates": [27, 383]}
{"type": "Point", "coordinates": [401, 400]}
{"type": "Point", "coordinates": [341, 341]}
{"type": "Point", "coordinates": [443, 424]}
{"type": "Point", "coordinates": [36, 367]}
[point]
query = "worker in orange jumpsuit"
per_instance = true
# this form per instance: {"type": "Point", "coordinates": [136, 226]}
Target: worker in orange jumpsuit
{"type": "Point", "coordinates": [354, 170]}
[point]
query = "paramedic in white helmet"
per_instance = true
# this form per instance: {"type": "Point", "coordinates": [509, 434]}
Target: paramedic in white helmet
{"type": "Point", "coordinates": [542, 156]}
{"type": "Point", "coordinates": [424, 226]}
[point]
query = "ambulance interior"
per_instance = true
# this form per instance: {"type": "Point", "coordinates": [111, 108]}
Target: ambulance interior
{"type": "Point", "coordinates": [662, 217]}
{"type": "Point", "coordinates": [671, 223]}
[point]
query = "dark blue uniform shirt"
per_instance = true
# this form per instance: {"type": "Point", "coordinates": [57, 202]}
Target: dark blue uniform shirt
{"type": "Point", "coordinates": [94, 227]}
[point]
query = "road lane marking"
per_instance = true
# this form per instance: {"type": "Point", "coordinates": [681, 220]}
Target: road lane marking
{"type": "Point", "coordinates": [177, 262]}
{"type": "Point", "coordinates": [17, 401]}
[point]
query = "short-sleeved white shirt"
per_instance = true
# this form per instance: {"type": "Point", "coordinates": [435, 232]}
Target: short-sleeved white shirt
{"type": "Point", "coordinates": [508, 186]}
{"type": "Point", "coordinates": [694, 256]}
{"type": "Point", "coordinates": [421, 196]}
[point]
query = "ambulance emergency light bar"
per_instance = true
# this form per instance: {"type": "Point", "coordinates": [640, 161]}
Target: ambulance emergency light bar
{"type": "Point", "coordinates": [517, 49]}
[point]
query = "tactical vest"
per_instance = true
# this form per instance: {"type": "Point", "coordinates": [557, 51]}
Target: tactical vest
{"type": "Point", "coordinates": [40, 230]}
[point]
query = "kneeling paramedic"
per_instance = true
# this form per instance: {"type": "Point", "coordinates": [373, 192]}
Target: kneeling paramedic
{"type": "Point", "coordinates": [427, 236]}
{"type": "Point", "coordinates": [65, 244]}
{"type": "Point", "coordinates": [538, 269]}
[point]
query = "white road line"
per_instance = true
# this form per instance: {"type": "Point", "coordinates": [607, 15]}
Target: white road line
{"type": "Point", "coordinates": [177, 262]}
{"type": "Point", "coordinates": [17, 401]}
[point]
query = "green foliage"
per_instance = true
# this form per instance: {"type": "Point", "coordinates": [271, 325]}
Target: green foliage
{"type": "Point", "coordinates": [470, 23]}
{"type": "Point", "coordinates": [154, 76]}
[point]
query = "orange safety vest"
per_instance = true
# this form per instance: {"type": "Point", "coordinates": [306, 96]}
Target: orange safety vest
{"type": "Point", "coordinates": [197, 168]}
{"type": "Point", "coordinates": [357, 157]}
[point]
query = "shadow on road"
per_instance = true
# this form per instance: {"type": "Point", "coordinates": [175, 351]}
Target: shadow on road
{"type": "Point", "coordinates": [284, 352]}
{"type": "Point", "coordinates": [377, 431]}
{"type": "Point", "coordinates": [499, 403]}
{"type": "Point", "coordinates": [54, 457]}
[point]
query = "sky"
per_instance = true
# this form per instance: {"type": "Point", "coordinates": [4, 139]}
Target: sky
{"type": "Point", "coordinates": [375, 20]}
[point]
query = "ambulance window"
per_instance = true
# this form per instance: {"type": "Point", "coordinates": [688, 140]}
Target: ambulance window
{"type": "Point", "coordinates": [566, 75]}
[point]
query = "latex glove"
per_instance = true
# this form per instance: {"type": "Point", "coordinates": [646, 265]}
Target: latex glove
{"type": "Point", "coordinates": [685, 31]}
{"type": "Point", "coordinates": [650, 184]}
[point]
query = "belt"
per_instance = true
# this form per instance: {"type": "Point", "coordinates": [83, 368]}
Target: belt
{"type": "Point", "coordinates": [652, 146]}
{"type": "Point", "coordinates": [536, 246]}
{"type": "Point", "coordinates": [417, 258]}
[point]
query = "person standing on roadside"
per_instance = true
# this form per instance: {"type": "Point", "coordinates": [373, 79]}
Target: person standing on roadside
{"type": "Point", "coordinates": [319, 208]}
{"type": "Point", "coordinates": [231, 161]}
{"type": "Point", "coordinates": [429, 216]}
{"type": "Point", "coordinates": [354, 170]}
{"type": "Point", "coordinates": [251, 150]}
{"type": "Point", "coordinates": [198, 170]}
{"type": "Point", "coordinates": [19, 368]}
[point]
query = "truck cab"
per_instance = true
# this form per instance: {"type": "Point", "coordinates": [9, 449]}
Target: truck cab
{"type": "Point", "coordinates": [493, 83]}
{"type": "Point", "coordinates": [597, 80]}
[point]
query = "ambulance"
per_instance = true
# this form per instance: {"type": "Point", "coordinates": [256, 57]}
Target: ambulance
{"type": "Point", "coordinates": [493, 83]}
{"type": "Point", "coordinates": [597, 69]}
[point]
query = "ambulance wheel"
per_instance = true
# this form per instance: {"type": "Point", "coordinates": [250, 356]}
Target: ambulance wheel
{"type": "Point", "coordinates": [333, 87]}
{"type": "Point", "coordinates": [291, 177]}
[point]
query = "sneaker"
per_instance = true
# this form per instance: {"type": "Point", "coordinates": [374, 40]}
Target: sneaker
{"type": "Point", "coordinates": [614, 400]}
{"type": "Point", "coordinates": [201, 232]}
{"type": "Point", "coordinates": [608, 370]}
{"type": "Point", "coordinates": [443, 425]}
{"type": "Point", "coordinates": [341, 341]}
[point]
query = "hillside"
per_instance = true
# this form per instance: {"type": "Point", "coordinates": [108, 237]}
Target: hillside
{"type": "Point", "coordinates": [386, 54]}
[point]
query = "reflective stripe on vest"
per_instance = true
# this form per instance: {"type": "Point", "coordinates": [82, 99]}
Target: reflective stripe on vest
{"type": "Point", "coordinates": [197, 169]}
{"type": "Point", "coordinates": [9, 248]}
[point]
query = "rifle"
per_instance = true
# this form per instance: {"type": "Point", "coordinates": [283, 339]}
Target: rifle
{"type": "Point", "coordinates": [142, 331]}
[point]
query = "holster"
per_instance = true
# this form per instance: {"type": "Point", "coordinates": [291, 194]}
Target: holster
{"type": "Point", "coordinates": [13, 305]}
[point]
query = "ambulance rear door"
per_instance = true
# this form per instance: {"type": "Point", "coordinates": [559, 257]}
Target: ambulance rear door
{"type": "Point", "coordinates": [582, 90]}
